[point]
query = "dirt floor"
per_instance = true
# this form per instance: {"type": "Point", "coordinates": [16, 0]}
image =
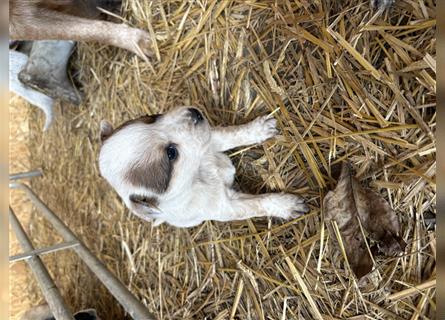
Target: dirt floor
{"type": "Point", "coordinates": [343, 81]}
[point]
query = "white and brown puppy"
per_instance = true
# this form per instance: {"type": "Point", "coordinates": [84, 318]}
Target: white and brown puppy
{"type": "Point", "coordinates": [171, 168]}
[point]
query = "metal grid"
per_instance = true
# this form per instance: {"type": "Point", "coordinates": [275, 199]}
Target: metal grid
{"type": "Point", "coordinates": [32, 256]}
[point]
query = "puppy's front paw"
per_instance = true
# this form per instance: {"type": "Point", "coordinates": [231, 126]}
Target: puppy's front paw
{"type": "Point", "coordinates": [286, 206]}
{"type": "Point", "coordinates": [263, 128]}
{"type": "Point", "coordinates": [381, 4]}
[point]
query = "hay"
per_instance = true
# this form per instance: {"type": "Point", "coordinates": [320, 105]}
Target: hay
{"type": "Point", "coordinates": [19, 161]}
{"type": "Point", "coordinates": [343, 83]}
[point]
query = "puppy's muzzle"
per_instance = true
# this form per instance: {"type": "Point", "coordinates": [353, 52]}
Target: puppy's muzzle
{"type": "Point", "coordinates": [196, 116]}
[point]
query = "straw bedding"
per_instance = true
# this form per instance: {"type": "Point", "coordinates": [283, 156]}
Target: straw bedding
{"type": "Point", "coordinates": [344, 82]}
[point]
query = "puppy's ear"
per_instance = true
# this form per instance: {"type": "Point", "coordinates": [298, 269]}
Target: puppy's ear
{"type": "Point", "coordinates": [106, 129]}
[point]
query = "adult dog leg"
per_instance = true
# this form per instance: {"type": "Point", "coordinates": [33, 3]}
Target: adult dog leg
{"type": "Point", "coordinates": [17, 61]}
{"type": "Point", "coordinates": [53, 25]}
{"type": "Point", "coordinates": [49, 74]}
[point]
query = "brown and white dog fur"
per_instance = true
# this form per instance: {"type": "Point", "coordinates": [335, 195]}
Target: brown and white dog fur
{"type": "Point", "coordinates": [171, 168]}
{"type": "Point", "coordinates": [73, 20]}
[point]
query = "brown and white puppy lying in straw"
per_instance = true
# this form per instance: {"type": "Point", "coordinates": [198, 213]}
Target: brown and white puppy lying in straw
{"type": "Point", "coordinates": [73, 20]}
{"type": "Point", "coordinates": [171, 168]}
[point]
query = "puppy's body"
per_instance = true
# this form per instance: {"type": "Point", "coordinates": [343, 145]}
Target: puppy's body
{"type": "Point", "coordinates": [172, 168]}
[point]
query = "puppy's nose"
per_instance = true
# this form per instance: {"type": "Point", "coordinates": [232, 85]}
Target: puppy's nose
{"type": "Point", "coordinates": [195, 115]}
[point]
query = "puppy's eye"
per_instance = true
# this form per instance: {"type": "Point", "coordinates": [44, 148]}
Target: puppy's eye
{"type": "Point", "coordinates": [139, 199]}
{"type": "Point", "coordinates": [172, 152]}
{"type": "Point", "coordinates": [144, 201]}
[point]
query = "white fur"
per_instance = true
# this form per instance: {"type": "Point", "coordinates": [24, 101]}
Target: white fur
{"type": "Point", "coordinates": [17, 61]}
{"type": "Point", "coordinates": [201, 183]}
{"type": "Point", "coordinates": [381, 4]}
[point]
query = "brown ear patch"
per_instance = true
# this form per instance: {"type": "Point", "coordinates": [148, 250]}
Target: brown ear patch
{"type": "Point", "coordinates": [147, 119]}
{"type": "Point", "coordinates": [154, 175]}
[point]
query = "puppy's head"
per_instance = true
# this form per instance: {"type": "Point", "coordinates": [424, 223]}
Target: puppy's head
{"type": "Point", "coordinates": [153, 158]}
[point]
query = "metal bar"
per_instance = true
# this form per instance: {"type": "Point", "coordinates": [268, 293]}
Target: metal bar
{"type": "Point", "coordinates": [25, 175]}
{"type": "Point", "coordinates": [37, 252]}
{"type": "Point", "coordinates": [49, 289]}
{"type": "Point", "coordinates": [132, 305]}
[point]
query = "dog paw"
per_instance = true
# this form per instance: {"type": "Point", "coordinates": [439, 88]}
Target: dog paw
{"type": "Point", "coordinates": [263, 128]}
{"type": "Point", "coordinates": [145, 45]}
{"type": "Point", "coordinates": [139, 42]}
{"type": "Point", "coordinates": [286, 206]}
{"type": "Point", "coordinates": [381, 4]}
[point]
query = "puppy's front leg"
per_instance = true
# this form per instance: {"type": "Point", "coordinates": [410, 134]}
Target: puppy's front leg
{"type": "Point", "coordinates": [244, 206]}
{"type": "Point", "coordinates": [256, 131]}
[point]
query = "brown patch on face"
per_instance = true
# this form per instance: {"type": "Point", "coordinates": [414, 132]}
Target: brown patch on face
{"type": "Point", "coordinates": [147, 119]}
{"type": "Point", "coordinates": [154, 175]}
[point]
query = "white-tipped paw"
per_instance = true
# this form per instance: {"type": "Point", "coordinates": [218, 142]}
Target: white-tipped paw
{"type": "Point", "coordinates": [263, 128]}
{"type": "Point", "coordinates": [138, 41]}
{"type": "Point", "coordinates": [286, 206]}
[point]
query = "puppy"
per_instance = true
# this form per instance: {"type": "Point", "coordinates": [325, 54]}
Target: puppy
{"type": "Point", "coordinates": [73, 20]}
{"type": "Point", "coordinates": [171, 168]}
